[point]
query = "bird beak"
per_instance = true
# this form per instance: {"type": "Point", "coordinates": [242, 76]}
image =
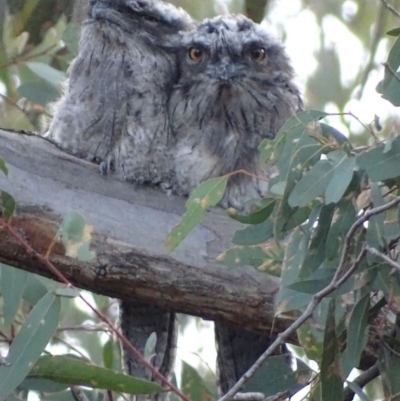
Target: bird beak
{"type": "Point", "coordinates": [225, 73]}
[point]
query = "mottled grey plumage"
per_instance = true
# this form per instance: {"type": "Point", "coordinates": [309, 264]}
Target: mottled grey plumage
{"type": "Point", "coordinates": [114, 112]}
{"type": "Point", "coordinates": [114, 109]}
{"type": "Point", "coordinates": [235, 89]}
{"type": "Point", "coordinates": [226, 102]}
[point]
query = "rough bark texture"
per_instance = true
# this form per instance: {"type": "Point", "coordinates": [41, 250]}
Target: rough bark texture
{"type": "Point", "coordinates": [129, 229]}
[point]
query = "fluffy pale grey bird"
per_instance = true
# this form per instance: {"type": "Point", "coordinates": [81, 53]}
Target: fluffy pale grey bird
{"type": "Point", "coordinates": [235, 89]}
{"type": "Point", "coordinates": [114, 108]}
{"type": "Point", "coordinates": [114, 112]}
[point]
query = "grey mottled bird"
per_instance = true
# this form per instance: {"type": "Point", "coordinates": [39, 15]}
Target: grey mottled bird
{"type": "Point", "coordinates": [114, 112]}
{"type": "Point", "coordinates": [235, 88]}
{"type": "Point", "coordinates": [114, 108]}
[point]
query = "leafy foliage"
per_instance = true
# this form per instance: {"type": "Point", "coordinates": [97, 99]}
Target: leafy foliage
{"type": "Point", "coordinates": [306, 229]}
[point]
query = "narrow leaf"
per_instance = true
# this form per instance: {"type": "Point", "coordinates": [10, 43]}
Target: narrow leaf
{"type": "Point", "coordinates": [30, 342]}
{"type": "Point", "coordinates": [13, 283]}
{"type": "Point", "coordinates": [261, 211]}
{"type": "Point", "coordinates": [381, 165]}
{"type": "Point", "coordinates": [254, 234]}
{"type": "Point", "coordinates": [193, 385]}
{"type": "Point", "coordinates": [49, 74]}
{"type": "Point", "coordinates": [331, 380]}
{"type": "Point", "coordinates": [276, 375]}
{"type": "Point", "coordinates": [356, 335]}
{"type": "Point", "coordinates": [342, 175]}
{"type": "Point", "coordinates": [206, 195]}
{"type": "Point", "coordinates": [75, 372]}
{"type": "Point", "coordinates": [8, 204]}
{"type": "Point", "coordinates": [266, 257]}
{"type": "Point", "coordinates": [75, 235]}
{"type": "Point", "coordinates": [312, 185]}
{"type": "Point", "coordinates": [309, 342]}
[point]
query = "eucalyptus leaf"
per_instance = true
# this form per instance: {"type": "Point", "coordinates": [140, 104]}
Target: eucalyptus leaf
{"type": "Point", "coordinates": [29, 343]}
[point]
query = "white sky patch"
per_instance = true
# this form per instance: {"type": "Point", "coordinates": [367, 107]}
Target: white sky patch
{"type": "Point", "coordinates": [197, 347]}
{"type": "Point", "coordinates": [349, 10]}
{"type": "Point", "coordinates": [301, 36]}
{"type": "Point", "coordinates": [349, 48]}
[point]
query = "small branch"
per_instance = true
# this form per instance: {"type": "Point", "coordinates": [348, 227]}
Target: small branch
{"type": "Point", "coordinates": [385, 258]}
{"type": "Point", "coordinates": [390, 8]}
{"type": "Point", "coordinates": [390, 69]}
{"type": "Point", "coordinates": [26, 57]}
{"type": "Point", "coordinates": [261, 397]}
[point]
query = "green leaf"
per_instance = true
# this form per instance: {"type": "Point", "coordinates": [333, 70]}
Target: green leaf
{"type": "Point", "coordinates": [393, 32]}
{"type": "Point", "coordinates": [357, 337]}
{"type": "Point", "coordinates": [40, 92]}
{"type": "Point", "coordinates": [207, 194]}
{"type": "Point", "coordinates": [49, 74]}
{"type": "Point", "coordinates": [260, 212]}
{"type": "Point", "coordinates": [381, 165]}
{"type": "Point", "coordinates": [342, 175]}
{"type": "Point", "coordinates": [316, 250]}
{"type": "Point", "coordinates": [390, 86]}
{"type": "Point", "coordinates": [13, 283]}
{"type": "Point", "coordinates": [288, 299]}
{"type": "Point", "coordinates": [331, 380]}
{"type": "Point", "coordinates": [75, 372]}
{"type": "Point", "coordinates": [3, 166]}
{"type": "Point", "coordinates": [389, 368]}
{"type": "Point", "coordinates": [343, 218]}
{"type": "Point", "coordinates": [108, 354]}
{"type": "Point", "coordinates": [254, 234]}
{"type": "Point", "coordinates": [42, 385]}
{"type": "Point", "coordinates": [335, 138]}
{"type": "Point", "coordinates": [8, 204]}
{"type": "Point", "coordinates": [193, 385]}
{"type": "Point", "coordinates": [319, 280]}
{"type": "Point", "coordinates": [276, 375]}
{"type": "Point", "coordinates": [35, 290]}
{"type": "Point", "coordinates": [312, 185]}
{"type": "Point", "coordinates": [267, 257]}
{"type": "Point", "coordinates": [30, 342]}
{"type": "Point", "coordinates": [75, 235]}
{"type": "Point", "coordinates": [309, 342]}
{"type": "Point", "coordinates": [376, 224]}
{"type": "Point", "coordinates": [300, 152]}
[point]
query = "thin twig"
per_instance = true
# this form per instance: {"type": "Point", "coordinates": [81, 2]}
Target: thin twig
{"type": "Point", "coordinates": [393, 72]}
{"type": "Point", "coordinates": [26, 57]}
{"type": "Point", "coordinates": [339, 278]}
{"type": "Point", "coordinates": [6, 225]}
{"type": "Point", "coordinates": [389, 261]}
{"type": "Point", "coordinates": [390, 8]}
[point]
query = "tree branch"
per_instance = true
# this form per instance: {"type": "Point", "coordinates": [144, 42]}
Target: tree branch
{"type": "Point", "coordinates": [129, 229]}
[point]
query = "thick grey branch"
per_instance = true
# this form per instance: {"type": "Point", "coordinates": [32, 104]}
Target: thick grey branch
{"type": "Point", "coordinates": [129, 229]}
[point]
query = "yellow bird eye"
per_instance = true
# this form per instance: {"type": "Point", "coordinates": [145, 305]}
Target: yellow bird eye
{"type": "Point", "coordinates": [196, 53]}
{"type": "Point", "coordinates": [258, 54]}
